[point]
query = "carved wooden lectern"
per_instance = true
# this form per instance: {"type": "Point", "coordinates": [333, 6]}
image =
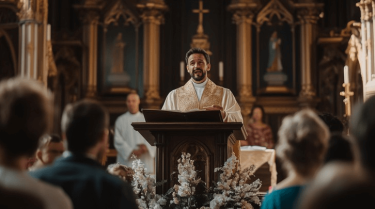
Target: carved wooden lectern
{"type": "Point", "coordinates": [209, 143]}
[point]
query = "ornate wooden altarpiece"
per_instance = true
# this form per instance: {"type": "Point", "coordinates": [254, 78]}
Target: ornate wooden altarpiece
{"type": "Point", "coordinates": [209, 143]}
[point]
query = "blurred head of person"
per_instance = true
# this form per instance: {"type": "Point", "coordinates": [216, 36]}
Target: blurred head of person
{"type": "Point", "coordinates": [339, 149]}
{"type": "Point", "coordinates": [333, 123]}
{"type": "Point", "coordinates": [85, 124]}
{"type": "Point", "coordinates": [303, 140]}
{"type": "Point", "coordinates": [25, 115]}
{"type": "Point", "coordinates": [362, 127]}
{"type": "Point", "coordinates": [51, 147]}
{"type": "Point", "coordinates": [132, 102]}
{"type": "Point", "coordinates": [338, 186]}
{"type": "Point", "coordinates": [257, 114]}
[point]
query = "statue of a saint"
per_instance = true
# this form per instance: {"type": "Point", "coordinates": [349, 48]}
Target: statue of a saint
{"type": "Point", "coordinates": [274, 60]}
{"type": "Point", "coordinates": [118, 55]}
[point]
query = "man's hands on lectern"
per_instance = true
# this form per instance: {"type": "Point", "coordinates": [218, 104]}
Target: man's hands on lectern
{"type": "Point", "coordinates": [216, 107]}
{"type": "Point", "coordinates": [140, 151]}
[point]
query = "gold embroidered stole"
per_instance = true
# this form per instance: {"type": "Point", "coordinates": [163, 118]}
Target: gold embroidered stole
{"type": "Point", "coordinates": [187, 98]}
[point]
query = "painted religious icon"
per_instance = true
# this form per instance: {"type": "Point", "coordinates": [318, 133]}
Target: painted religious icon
{"type": "Point", "coordinates": [274, 60]}
{"type": "Point", "coordinates": [118, 55]}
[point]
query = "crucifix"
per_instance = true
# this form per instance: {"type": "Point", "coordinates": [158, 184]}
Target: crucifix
{"type": "Point", "coordinates": [347, 93]}
{"type": "Point", "coordinates": [200, 11]}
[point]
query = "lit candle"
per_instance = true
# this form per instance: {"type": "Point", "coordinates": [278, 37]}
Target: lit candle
{"type": "Point", "coordinates": [346, 74]}
{"type": "Point", "coordinates": [48, 32]}
{"type": "Point", "coordinates": [182, 70]}
{"type": "Point", "coordinates": [221, 70]}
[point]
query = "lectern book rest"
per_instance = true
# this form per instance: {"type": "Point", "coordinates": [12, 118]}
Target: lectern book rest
{"type": "Point", "coordinates": [178, 116]}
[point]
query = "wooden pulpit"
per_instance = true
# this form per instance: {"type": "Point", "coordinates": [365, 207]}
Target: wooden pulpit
{"type": "Point", "coordinates": [209, 143]}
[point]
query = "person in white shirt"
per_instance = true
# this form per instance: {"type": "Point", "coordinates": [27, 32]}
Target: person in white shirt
{"type": "Point", "coordinates": [128, 141]}
{"type": "Point", "coordinates": [25, 114]}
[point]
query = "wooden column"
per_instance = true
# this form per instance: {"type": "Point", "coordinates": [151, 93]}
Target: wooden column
{"type": "Point", "coordinates": [89, 12]}
{"type": "Point", "coordinates": [152, 17]}
{"type": "Point", "coordinates": [308, 14]}
{"type": "Point", "coordinates": [33, 40]}
{"type": "Point", "coordinates": [243, 13]}
{"type": "Point", "coordinates": [361, 5]}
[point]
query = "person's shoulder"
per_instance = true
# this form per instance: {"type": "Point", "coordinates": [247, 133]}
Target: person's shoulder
{"type": "Point", "coordinates": [56, 196]}
{"type": "Point", "coordinates": [39, 173]}
{"type": "Point", "coordinates": [122, 117]}
{"type": "Point", "coordinates": [49, 193]}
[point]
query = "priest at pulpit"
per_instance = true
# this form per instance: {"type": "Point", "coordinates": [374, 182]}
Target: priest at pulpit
{"type": "Point", "coordinates": [201, 93]}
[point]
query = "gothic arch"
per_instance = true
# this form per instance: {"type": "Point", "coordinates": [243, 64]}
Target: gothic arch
{"type": "Point", "coordinates": [4, 34]}
{"type": "Point", "coordinates": [274, 8]}
{"type": "Point", "coordinates": [200, 153]}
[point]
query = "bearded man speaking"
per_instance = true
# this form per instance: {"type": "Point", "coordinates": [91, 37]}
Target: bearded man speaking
{"type": "Point", "coordinates": [201, 93]}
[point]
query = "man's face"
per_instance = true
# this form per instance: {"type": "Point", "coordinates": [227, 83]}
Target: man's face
{"type": "Point", "coordinates": [51, 152]}
{"type": "Point", "coordinates": [197, 67]}
{"type": "Point", "coordinates": [133, 103]}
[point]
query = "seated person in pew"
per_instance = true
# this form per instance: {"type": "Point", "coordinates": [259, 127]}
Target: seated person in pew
{"type": "Point", "coordinates": [303, 140]}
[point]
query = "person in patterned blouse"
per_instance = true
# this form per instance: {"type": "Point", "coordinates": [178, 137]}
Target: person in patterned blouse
{"type": "Point", "coordinates": [258, 133]}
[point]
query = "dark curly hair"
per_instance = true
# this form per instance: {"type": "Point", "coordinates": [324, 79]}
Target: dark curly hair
{"type": "Point", "coordinates": [197, 51]}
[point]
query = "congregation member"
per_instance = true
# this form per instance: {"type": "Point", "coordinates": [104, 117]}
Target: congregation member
{"type": "Point", "coordinates": [51, 147]}
{"type": "Point", "coordinates": [303, 140]}
{"type": "Point", "coordinates": [340, 147]}
{"type": "Point", "coordinates": [258, 132]}
{"type": "Point", "coordinates": [25, 115]}
{"type": "Point", "coordinates": [337, 185]}
{"type": "Point", "coordinates": [362, 128]}
{"type": "Point", "coordinates": [201, 93]}
{"type": "Point", "coordinates": [129, 142]}
{"type": "Point", "coordinates": [85, 127]}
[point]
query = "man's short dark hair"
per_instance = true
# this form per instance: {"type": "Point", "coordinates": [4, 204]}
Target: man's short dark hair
{"type": "Point", "coordinates": [333, 123]}
{"type": "Point", "coordinates": [84, 124]}
{"type": "Point", "coordinates": [197, 51]}
{"type": "Point", "coordinates": [362, 127]}
{"type": "Point", "coordinates": [25, 115]}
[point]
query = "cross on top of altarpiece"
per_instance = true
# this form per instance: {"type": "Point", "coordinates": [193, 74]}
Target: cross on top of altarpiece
{"type": "Point", "coordinates": [200, 11]}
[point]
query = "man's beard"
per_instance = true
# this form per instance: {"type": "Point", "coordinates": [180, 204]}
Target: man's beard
{"type": "Point", "coordinates": [196, 77]}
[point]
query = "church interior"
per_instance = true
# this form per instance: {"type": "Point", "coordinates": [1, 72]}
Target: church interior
{"type": "Point", "coordinates": [284, 55]}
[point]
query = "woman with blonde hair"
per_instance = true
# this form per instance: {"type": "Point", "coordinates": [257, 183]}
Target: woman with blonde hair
{"type": "Point", "coordinates": [303, 141]}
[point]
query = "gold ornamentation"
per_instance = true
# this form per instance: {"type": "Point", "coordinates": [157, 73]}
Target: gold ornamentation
{"type": "Point", "coordinates": [245, 91]}
{"type": "Point", "coordinates": [274, 8]}
{"type": "Point", "coordinates": [308, 12]}
{"type": "Point", "coordinates": [27, 10]}
{"type": "Point", "coordinates": [152, 11]}
{"type": "Point", "coordinates": [152, 93]}
{"type": "Point", "coordinates": [118, 10]}
{"type": "Point", "coordinates": [200, 40]}
{"type": "Point", "coordinates": [200, 11]}
{"type": "Point", "coordinates": [307, 91]}
{"type": "Point", "coordinates": [52, 69]}
{"type": "Point", "coordinates": [187, 98]}
{"type": "Point", "coordinates": [347, 94]}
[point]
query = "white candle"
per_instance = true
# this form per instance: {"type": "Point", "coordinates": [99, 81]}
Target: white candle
{"type": "Point", "coordinates": [346, 74]}
{"type": "Point", "coordinates": [221, 70]}
{"type": "Point", "coordinates": [182, 70]}
{"type": "Point", "coordinates": [48, 32]}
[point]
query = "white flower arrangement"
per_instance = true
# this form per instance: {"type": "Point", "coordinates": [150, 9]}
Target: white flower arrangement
{"type": "Point", "coordinates": [187, 179]}
{"type": "Point", "coordinates": [143, 186]}
{"type": "Point", "coordinates": [233, 190]}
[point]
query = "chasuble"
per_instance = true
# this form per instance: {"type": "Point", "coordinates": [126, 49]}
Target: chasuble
{"type": "Point", "coordinates": [185, 98]}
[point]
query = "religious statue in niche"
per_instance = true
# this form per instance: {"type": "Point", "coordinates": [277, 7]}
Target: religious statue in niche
{"type": "Point", "coordinates": [117, 74]}
{"type": "Point", "coordinates": [118, 55]}
{"type": "Point", "coordinates": [274, 75]}
{"type": "Point", "coordinates": [274, 61]}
